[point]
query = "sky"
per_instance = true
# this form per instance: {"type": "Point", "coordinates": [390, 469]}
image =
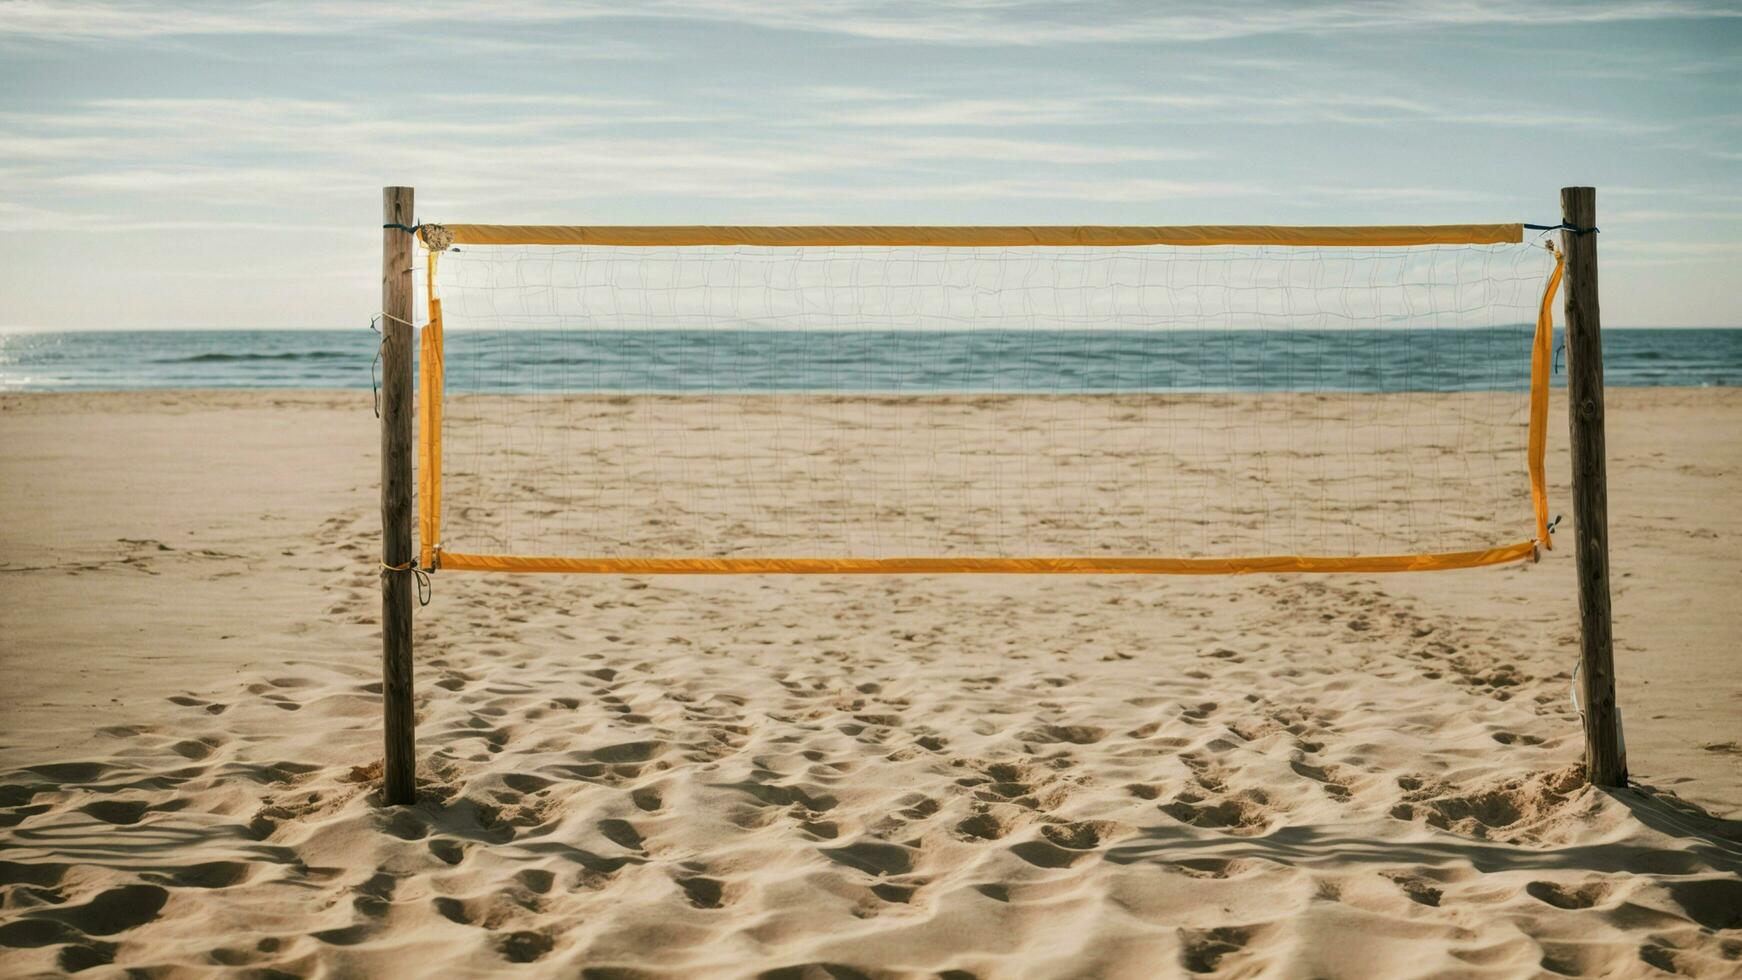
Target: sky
{"type": "Point", "coordinates": [221, 164]}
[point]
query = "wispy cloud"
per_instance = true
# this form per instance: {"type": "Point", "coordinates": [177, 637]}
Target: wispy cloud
{"type": "Point", "coordinates": [893, 109]}
{"type": "Point", "coordinates": [209, 154]}
{"type": "Point", "coordinates": [911, 111]}
{"type": "Point", "coordinates": [954, 22]}
{"type": "Point", "coordinates": [948, 147]}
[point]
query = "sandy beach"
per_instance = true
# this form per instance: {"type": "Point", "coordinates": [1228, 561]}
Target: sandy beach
{"type": "Point", "coordinates": [1352, 776]}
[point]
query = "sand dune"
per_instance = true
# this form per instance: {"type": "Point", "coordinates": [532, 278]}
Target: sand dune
{"type": "Point", "coordinates": [1013, 777]}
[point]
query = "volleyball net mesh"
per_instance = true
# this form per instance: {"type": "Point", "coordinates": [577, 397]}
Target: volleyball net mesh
{"type": "Point", "coordinates": [871, 400]}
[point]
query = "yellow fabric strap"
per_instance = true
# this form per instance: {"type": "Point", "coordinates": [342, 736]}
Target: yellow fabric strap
{"type": "Point", "coordinates": [987, 566]}
{"type": "Point", "coordinates": [431, 387]}
{"type": "Point", "coordinates": [1541, 356]}
{"type": "Point", "coordinates": [979, 237]}
{"type": "Point", "coordinates": [429, 426]}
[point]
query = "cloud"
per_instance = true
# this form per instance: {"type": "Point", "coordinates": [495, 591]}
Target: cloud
{"type": "Point", "coordinates": [147, 161]}
{"type": "Point", "coordinates": [1132, 191]}
{"type": "Point", "coordinates": [1620, 253]}
{"type": "Point", "coordinates": [153, 159]}
{"type": "Point", "coordinates": [1620, 217]}
{"type": "Point", "coordinates": [538, 99]}
{"type": "Point", "coordinates": [16, 216]}
{"type": "Point", "coordinates": [921, 111]}
{"type": "Point", "coordinates": [832, 106]}
{"type": "Point", "coordinates": [1032, 22]}
{"type": "Point", "coordinates": [948, 147]}
{"type": "Point", "coordinates": [952, 22]}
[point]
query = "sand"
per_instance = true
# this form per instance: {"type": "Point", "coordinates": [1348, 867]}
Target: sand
{"type": "Point", "coordinates": [871, 476]}
{"type": "Point", "coordinates": [1341, 776]}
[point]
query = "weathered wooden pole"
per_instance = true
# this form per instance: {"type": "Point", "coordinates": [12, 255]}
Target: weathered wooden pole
{"type": "Point", "coordinates": [1605, 758]}
{"type": "Point", "coordinates": [397, 586]}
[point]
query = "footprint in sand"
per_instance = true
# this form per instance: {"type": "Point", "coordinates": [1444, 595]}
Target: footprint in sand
{"type": "Point", "coordinates": [703, 892]}
{"type": "Point", "coordinates": [1046, 854]}
{"type": "Point", "coordinates": [116, 910]}
{"type": "Point", "coordinates": [524, 946]}
{"type": "Point", "coordinates": [1078, 836]}
{"type": "Point", "coordinates": [1198, 713]}
{"type": "Point", "coordinates": [628, 752]}
{"type": "Point", "coordinates": [535, 880]}
{"type": "Point", "coordinates": [453, 910]}
{"type": "Point", "coordinates": [1238, 815]}
{"type": "Point", "coordinates": [1661, 957]}
{"type": "Point", "coordinates": [1417, 888]}
{"type": "Point", "coordinates": [76, 956]}
{"type": "Point", "coordinates": [1328, 778]}
{"type": "Point", "coordinates": [623, 834]}
{"type": "Point", "coordinates": [196, 749]}
{"type": "Point", "coordinates": [919, 806]}
{"type": "Point", "coordinates": [1202, 950]}
{"type": "Point", "coordinates": [1072, 734]}
{"type": "Point", "coordinates": [210, 874]}
{"type": "Point", "coordinates": [895, 894]}
{"type": "Point", "coordinates": [1214, 868]}
{"type": "Point", "coordinates": [875, 858]}
{"type": "Point", "coordinates": [821, 829]}
{"type": "Point", "coordinates": [525, 782]}
{"type": "Point", "coordinates": [1714, 903]}
{"type": "Point", "coordinates": [210, 707]}
{"type": "Point", "coordinates": [985, 825]}
{"type": "Point", "coordinates": [1582, 896]}
{"type": "Point", "coordinates": [116, 811]}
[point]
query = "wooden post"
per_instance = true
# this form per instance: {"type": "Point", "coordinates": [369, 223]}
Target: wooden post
{"type": "Point", "coordinates": [1605, 759]}
{"type": "Point", "coordinates": [397, 587]}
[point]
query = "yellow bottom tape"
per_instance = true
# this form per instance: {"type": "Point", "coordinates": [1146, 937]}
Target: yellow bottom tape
{"type": "Point", "coordinates": [451, 561]}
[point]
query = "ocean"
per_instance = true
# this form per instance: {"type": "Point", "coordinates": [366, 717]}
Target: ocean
{"type": "Point", "coordinates": [1050, 361]}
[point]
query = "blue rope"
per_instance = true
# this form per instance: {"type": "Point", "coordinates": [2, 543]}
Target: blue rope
{"type": "Point", "coordinates": [413, 228]}
{"type": "Point", "coordinates": [1563, 226]}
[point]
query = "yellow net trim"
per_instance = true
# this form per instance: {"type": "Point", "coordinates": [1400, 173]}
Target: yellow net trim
{"type": "Point", "coordinates": [1540, 355]}
{"type": "Point", "coordinates": [982, 237]}
{"type": "Point", "coordinates": [430, 381]}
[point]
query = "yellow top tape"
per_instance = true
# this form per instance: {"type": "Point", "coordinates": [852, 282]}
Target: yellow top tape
{"type": "Point", "coordinates": [982, 237]}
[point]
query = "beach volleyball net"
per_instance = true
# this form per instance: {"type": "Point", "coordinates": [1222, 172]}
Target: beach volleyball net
{"type": "Point", "coordinates": [1039, 399]}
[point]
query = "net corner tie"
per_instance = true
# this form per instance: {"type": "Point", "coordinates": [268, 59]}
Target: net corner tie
{"type": "Point", "coordinates": [1565, 226]}
{"type": "Point", "coordinates": [436, 238]}
{"type": "Point", "coordinates": [375, 365]}
{"type": "Point", "coordinates": [422, 575]}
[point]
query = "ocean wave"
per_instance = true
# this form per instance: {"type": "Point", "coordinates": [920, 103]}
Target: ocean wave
{"type": "Point", "coordinates": [313, 355]}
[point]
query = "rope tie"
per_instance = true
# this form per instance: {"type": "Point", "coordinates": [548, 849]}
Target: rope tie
{"type": "Point", "coordinates": [1565, 226]}
{"type": "Point", "coordinates": [375, 365]}
{"type": "Point", "coordinates": [1546, 541]}
{"type": "Point", "coordinates": [423, 583]}
{"type": "Point", "coordinates": [436, 238]}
